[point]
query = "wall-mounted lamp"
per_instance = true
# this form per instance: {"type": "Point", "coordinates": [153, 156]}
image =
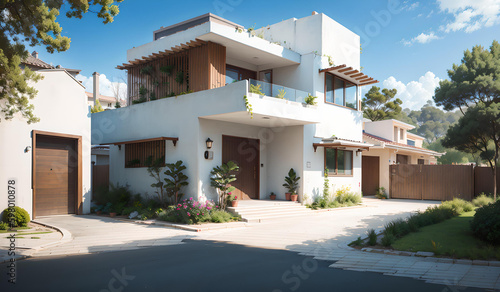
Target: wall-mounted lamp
{"type": "Point", "coordinates": [27, 149]}
{"type": "Point", "coordinates": [209, 143]}
{"type": "Point", "coordinates": [209, 154]}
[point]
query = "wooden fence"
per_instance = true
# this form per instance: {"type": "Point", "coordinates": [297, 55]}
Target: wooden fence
{"type": "Point", "coordinates": [432, 182]}
{"type": "Point", "coordinates": [483, 180]}
{"type": "Point", "coordinates": [100, 176]}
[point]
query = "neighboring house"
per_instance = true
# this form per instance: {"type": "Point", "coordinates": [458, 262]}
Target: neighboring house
{"type": "Point", "coordinates": [107, 102]}
{"type": "Point", "coordinates": [393, 144]}
{"type": "Point", "coordinates": [100, 155]}
{"type": "Point", "coordinates": [50, 160]}
{"type": "Point", "coordinates": [193, 82]}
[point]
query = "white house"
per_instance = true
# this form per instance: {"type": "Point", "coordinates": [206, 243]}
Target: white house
{"type": "Point", "coordinates": [393, 144]}
{"type": "Point", "coordinates": [49, 160]}
{"type": "Point", "coordinates": [196, 81]}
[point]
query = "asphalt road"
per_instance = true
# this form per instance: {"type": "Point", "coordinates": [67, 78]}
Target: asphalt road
{"type": "Point", "coordinates": [200, 266]}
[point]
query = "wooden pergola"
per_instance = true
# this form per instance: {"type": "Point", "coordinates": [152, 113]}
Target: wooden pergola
{"type": "Point", "coordinates": [350, 74]}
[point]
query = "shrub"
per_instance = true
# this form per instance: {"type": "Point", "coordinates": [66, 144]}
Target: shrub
{"type": "Point", "coordinates": [346, 197]}
{"type": "Point", "coordinates": [482, 200]}
{"type": "Point", "coordinates": [114, 195]}
{"type": "Point", "coordinates": [4, 226]}
{"type": "Point", "coordinates": [16, 217]}
{"type": "Point", "coordinates": [388, 239]}
{"type": "Point", "coordinates": [357, 242]}
{"type": "Point", "coordinates": [220, 216]}
{"type": "Point", "coordinates": [458, 206]}
{"type": "Point", "coordinates": [372, 237]}
{"type": "Point", "coordinates": [380, 194]}
{"type": "Point", "coordinates": [486, 223]}
{"type": "Point", "coordinates": [190, 211]}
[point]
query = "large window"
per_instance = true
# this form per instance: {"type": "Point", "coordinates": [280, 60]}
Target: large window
{"type": "Point", "coordinates": [144, 153]}
{"type": "Point", "coordinates": [341, 92]}
{"type": "Point", "coordinates": [338, 162]}
{"type": "Point", "coordinates": [234, 74]}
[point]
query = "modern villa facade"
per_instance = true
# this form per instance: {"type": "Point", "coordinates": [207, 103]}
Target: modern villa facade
{"type": "Point", "coordinates": [200, 79]}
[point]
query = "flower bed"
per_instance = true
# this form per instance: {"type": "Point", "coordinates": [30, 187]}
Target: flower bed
{"type": "Point", "coordinates": [190, 211]}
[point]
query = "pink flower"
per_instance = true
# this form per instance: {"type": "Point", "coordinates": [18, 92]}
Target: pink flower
{"type": "Point", "coordinates": [178, 205]}
{"type": "Point", "coordinates": [189, 214]}
{"type": "Point", "coordinates": [197, 213]}
{"type": "Point", "coordinates": [229, 193]}
{"type": "Point", "coordinates": [236, 197]}
{"type": "Point", "coordinates": [191, 198]}
{"type": "Point", "coordinates": [209, 208]}
{"type": "Point", "coordinates": [185, 206]}
{"type": "Point", "coordinates": [178, 209]}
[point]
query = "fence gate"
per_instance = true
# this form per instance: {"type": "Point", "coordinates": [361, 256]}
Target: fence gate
{"type": "Point", "coordinates": [431, 182]}
{"type": "Point", "coordinates": [100, 176]}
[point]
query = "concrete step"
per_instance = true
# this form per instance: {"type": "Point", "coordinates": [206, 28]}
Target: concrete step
{"type": "Point", "coordinates": [259, 211]}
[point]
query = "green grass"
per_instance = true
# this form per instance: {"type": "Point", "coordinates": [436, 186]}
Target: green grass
{"type": "Point", "coordinates": [31, 233]}
{"type": "Point", "coordinates": [14, 229]}
{"type": "Point", "coordinates": [452, 238]}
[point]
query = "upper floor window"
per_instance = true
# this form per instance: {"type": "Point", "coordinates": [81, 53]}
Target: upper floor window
{"type": "Point", "coordinates": [341, 92]}
{"type": "Point", "coordinates": [401, 133]}
{"type": "Point", "coordinates": [410, 142]}
{"type": "Point", "coordinates": [234, 74]}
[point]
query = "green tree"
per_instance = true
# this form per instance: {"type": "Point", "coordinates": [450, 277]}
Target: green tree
{"type": "Point", "coordinates": [175, 180]}
{"type": "Point", "coordinates": [478, 131]}
{"type": "Point", "coordinates": [34, 22]}
{"type": "Point", "coordinates": [221, 178]}
{"type": "Point", "coordinates": [97, 108]}
{"type": "Point", "coordinates": [475, 80]}
{"type": "Point", "coordinates": [379, 106]}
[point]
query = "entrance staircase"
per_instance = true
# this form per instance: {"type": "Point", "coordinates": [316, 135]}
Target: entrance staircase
{"type": "Point", "coordinates": [257, 211]}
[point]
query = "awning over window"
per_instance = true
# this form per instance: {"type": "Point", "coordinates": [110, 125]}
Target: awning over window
{"type": "Point", "coordinates": [350, 74]}
{"type": "Point", "coordinates": [342, 144]}
{"type": "Point", "coordinates": [173, 139]}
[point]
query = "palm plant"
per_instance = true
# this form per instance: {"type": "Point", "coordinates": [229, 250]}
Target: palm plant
{"type": "Point", "coordinates": [175, 180]}
{"type": "Point", "coordinates": [220, 178]}
{"type": "Point", "coordinates": [291, 181]}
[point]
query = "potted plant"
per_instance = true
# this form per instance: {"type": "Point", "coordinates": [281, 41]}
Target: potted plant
{"type": "Point", "coordinates": [294, 197]}
{"type": "Point", "coordinates": [272, 196]}
{"type": "Point", "coordinates": [291, 184]}
{"type": "Point", "coordinates": [233, 200]}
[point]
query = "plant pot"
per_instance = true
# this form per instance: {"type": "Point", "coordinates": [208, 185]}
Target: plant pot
{"type": "Point", "coordinates": [272, 197]}
{"type": "Point", "coordinates": [294, 198]}
{"type": "Point", "coordinates": [112, 214]}
{"type": "Point", "coordinates": [234, 203]}
{"type": "Point", "coordinates": [98, 212]}
{"type": "Point", "coordinates": [287, 196]}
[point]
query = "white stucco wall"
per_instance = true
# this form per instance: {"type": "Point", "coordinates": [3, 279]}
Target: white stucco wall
{"type": "Point", "coordinates": [61, 105]}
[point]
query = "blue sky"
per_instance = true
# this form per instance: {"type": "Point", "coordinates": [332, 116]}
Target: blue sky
{"type": "Point", "coordinates": [409, 47]}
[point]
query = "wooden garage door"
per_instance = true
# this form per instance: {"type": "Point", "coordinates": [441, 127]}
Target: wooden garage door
{"type": "Point", "coordinates": [56, 173]}
{"type": "Point", "coordinates": [370, 172]}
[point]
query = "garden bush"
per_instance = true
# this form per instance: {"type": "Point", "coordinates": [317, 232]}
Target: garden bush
{"type": "Point", "coordinates": [372, 237]}
{"type": "Point", "coordinates": [458, 206]}
{"type": "Point", "coordinates": [482, 200]}
{"type": "Point", "coordinates": [4, 226]}
{"type": "Point", "coordinates": [220, 216]}
{"type": "Point", "coordinates": [114, 195]}
{"type": "Point", "coordinates": [19, 215]}
{"type": "Point", "coordinates": [190, 211]}
{"type": "Point", "coordinates": [486, 223]}
{"type": "Point", "coordinates": [388, 239]}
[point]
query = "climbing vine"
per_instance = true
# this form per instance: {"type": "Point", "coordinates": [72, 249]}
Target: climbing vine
{"type": "Point", "coordinates": [249, 106]}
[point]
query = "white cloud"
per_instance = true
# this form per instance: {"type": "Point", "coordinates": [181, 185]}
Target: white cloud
{"type": "Point", "coordinates": [470, 15]}
{"type": "Point", "coordinates": [414, 94]}
{"type": "Point", "coordinates": [412, 6]}
{"type": "Point", "coordinates": [421, 39]}
{"type": "Point", "coordinates": [106, 86]}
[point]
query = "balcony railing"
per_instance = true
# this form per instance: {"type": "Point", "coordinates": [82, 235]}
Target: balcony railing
{"type": "Point", "coordinates": [279, 91]}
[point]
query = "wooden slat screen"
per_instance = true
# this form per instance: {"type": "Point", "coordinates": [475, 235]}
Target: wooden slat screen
{"type": "Point", "coordinates": [137, 154]}
{"type": "Point", "coordinates": [203, 67]}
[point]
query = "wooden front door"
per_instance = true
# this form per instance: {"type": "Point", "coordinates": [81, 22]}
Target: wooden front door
{"type": "Point", "coordinates": [56, 172]}
{"type": "Point", "coordinates": [245, 153]}
{"type": "Point", "coordinates": [370, 172]}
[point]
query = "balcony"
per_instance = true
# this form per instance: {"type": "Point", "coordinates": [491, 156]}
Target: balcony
{"type": "Point", "coordinates": [278, 91]}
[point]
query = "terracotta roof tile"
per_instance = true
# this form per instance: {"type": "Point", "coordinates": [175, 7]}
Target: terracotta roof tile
{"type": "Point", "coordinates": [393, 143]}
{"type": "Point", "coordinates": [30, 60]}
